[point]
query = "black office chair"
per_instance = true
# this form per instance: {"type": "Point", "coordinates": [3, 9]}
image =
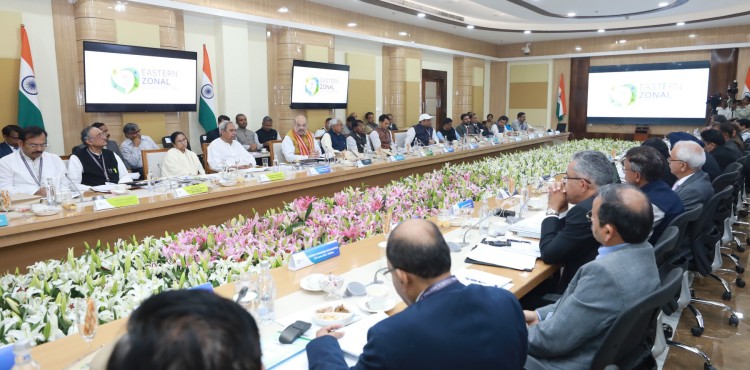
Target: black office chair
{"type": "Point", "coordinates": [627, 344]}
{"type": "Point", "coordinates": [204, 139]}
{"type": "Point", "coordinates": [732, 167]}
{"type": "Point", "coordinates": [684, 222]}
{"type": "Point", "coordinates": [667, 243]}
{"type": "Point", "coordinates": [166, 142]}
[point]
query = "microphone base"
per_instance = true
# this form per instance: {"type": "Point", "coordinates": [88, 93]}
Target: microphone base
{"type": "Point", "coordinates": [457, 246]}
{"type": "Point", "coordinates": [512, 219]}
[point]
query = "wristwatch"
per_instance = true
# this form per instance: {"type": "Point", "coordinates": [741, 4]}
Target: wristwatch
{"type": "Point", "coordinates": [552, 212]}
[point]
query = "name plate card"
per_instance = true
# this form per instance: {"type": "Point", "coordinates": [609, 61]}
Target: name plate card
{"type": "Point", "coordinates": [3, 220]}
{"type": "Point", "coordinates": [319, 170]}
{"type": "Point", "coordinates": [448, 150]}
{"type": "Point", "coordinates": [364, 162]}
{"type": "Point", "coordinates": [503, 194]}
{"type": "Point", "coordinates": [311, 256]}
{"type": "Point", "coordinates": [473, 145]}
{"type": "Point", "coordinates": [116, 202]}
{"type": "Point", "coordinates": [186, 191]}
{"type": "Point", "coordinates": [518, 138]}
{"type": "Point", "coordinates": [273, 176]}
{"type": "Point", "coordinates": [468, 203]}
{"type": "Point", "coordinates": [397, 158]}
{"type": "Point", "coordinates": [428, 153]}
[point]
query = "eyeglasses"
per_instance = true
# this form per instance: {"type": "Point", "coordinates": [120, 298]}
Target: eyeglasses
{"type": "Point", "coordinates": [670, 160]}
{"type": "Point", "coordinates": [565, 178]}
{"type": "Point", "coordinates": [622, 163]}
{"type": "Point", "coordinates": [37, 146]}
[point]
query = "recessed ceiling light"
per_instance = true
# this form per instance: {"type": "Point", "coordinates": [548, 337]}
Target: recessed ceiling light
{"type": "Point", "coordinates": [351, 24]}
{"type": "Point", "coordinates": [571, 14]}
{"type": "Point", "coordinates": [402, 33]}
{"type": "Point", "coordinates": [600, 30]}
{"type": "Point", "coordinates": [284, 10]}
{"type": "Point", "coordinates": [421, 15]}
{"type": "Point", "coordinates": [471, 26]}
{"type": "Point", "coordinates": [680, 23]}
{"type": "Point", "coordinates": [527, 32]}
{"type": "Point", "coordinates": [692, 35]}
{"type": "Point", "coordinates": [663, 4]}
{"type": "Point", "coordinates": [578, 48]}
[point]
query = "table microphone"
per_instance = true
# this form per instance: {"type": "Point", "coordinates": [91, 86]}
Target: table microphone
{"type": "Point", "coordinates": [80, 195]}
{"type": "Point", "coordinates": [169, 181]}
{"type": "Point", "coordinates": [456, 247]}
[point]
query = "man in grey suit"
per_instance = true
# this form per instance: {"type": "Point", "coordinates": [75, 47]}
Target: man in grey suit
{"type": "Point", "coordinates": [568, 333]}
{"type": "Point", "coordinates": [693, 185]}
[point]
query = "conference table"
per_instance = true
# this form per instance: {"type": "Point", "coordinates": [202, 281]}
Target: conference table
{"type": "Point", "coordinates": [28, 240]}
{"type": "Point", "coordinates": [358, 262]}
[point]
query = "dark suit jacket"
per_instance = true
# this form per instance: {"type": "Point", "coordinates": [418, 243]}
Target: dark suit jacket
{"type": "Point", "coordinates": [724, 156]}
{"type": "Point", "coordinates": [458, 327]}
{"type": "Point", "coordinates": [569, 241]}
{"type": "Point", "coordinates": [696, 190]}
{"type": "Point", "coordinates": [572, 329]}
{"type": "Point", "coordinates": [5, 149]}
{"type": "Point", "coordinates": [711, 167]}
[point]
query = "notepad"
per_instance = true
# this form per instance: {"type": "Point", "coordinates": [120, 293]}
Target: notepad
{"type": "Point", "coordinates": [529, 227]}
{"type": "Point", "coordinates": [470, 276]}
{"type": "Point", "coordinates": [501, 257]}
{"type": "Point", "coordinates": [355, 339]}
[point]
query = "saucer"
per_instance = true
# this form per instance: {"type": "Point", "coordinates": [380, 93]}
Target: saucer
{"type": "Point", "coordinates": [47, 211]}
{"type": "Point", "coordinates": [390, 303]}
{"type": "Point", "coordinates": [119, 192]}
{"type": "Point", "coordinates": [228, 183]}
{"type": "Point", "coordinates": [311, 283]}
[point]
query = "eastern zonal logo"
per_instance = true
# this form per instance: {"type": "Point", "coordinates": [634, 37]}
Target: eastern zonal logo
{"type": "Point", "coordinates": [623, 95]}
{"type": "Point", "coordinates": [312, 86]}
{"type": "Point", "coordinates": [125, 80]}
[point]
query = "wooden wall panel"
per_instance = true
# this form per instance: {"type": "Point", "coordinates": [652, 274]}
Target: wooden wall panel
{"type": "Point", "coordinates": [498, 82]}
{"type": "Point", "coordinates": [723, 71]}
{"type": "Point", "coordinates": [579, 94]}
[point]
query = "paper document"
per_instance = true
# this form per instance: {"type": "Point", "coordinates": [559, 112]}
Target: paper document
{"type": "Point", "coordinates": [353, 342]}
{"type": "Point", "coordinates": [500, 256]}
{"type": "Point", "coordinates": [529, 227]}
{"type": "Point", "coordinates": [469, 276]}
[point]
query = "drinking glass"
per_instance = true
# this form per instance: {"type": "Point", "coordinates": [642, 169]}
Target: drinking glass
{"type": "Point", "coordinates": [265, 162]}
{"type": "Point", "coordinates": [387, 224]}
{"type": "Point", "coordinates": [250, 300]}
{"type": "Point", "coordinates": [275, 165]}
{"type": "Point", "coordinates": [444, 219]}
{"type": "Point", "coordinates": [330, 284]}
{"type": "Point", "coordinates": [5, 200]}
{"type": "Point", "coordinates": [87, 319]}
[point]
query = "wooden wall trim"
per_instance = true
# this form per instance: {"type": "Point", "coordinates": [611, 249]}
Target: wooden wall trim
{"type": "Point", "coordinates": [579, 94]}
{"type": "Point", "coordinates": [66, 54]}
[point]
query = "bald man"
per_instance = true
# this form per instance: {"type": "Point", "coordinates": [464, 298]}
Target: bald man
{"type": "Point", "coordinates": [299, 143]}
{"type": "Point", "coordinates": [440, 310]}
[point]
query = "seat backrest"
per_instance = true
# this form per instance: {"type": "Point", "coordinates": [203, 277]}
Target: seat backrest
{"type": "Point", "coordinates": [275, 151]}
{"type": "Point", "coordinates": [709, 211]}
{"type": "Point", "coordinates": [666, 244]}
{"type": "Point", "coordinates": [683, 221]}
{"type": "Point", "coordinates": [732, 167]}
{"type": "Point", "coordinates": [626, 343]}
{"type": "Point", "coordinates": [7, 358]}
{"type": "Point", "coordinates": [707, 232]}
{"type": "Point", "coordinates": [166, 142]}
{"type": "Point", "coordinates": [204, 139]}
{"type": "Point", "coordinates": [204, 147]}
{"type": "Point", "coordinates": [152, 160]}
{"type": "Point", "coordinates": [400, 138]}
{"type": "Point", "coordinates": [721, 181]}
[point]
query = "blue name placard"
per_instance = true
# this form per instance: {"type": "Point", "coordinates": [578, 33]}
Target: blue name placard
{"type": "Point", "coordinates": [311, 256]}
{"type": "Point", "coordinates": [3, 220]}
{"type": "Point", "coordinates": [448, 150]}
{"type": "Point", "coordinates": [319, 170]}
{"type": "Point", "coordinates": [473, 145]}
{"type": "Point", "coordinates": [468, 203]}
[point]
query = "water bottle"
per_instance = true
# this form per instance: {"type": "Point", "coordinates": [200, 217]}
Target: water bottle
{"type": "Point", "coordinates": [267, 293]}
{"type": "Point", "coordinates": [50, 188]}
{"type": "Point", "coordinates": [22, 351]}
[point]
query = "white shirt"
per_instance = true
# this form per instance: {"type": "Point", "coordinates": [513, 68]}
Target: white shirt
{"type": "Point", "coordinates": [726, 112]}
{"type": "Point", "coordinates": [178, 163]}
{"type": "Point", "coordinates": [351, 144]}
{"type": "Point", "coordinates": [327, 144]}
{"type": "Point", "coordinates": [681, 181]}
{"type": "Point", "coordinates": [219, 152]}
{"type": "Point", "coordinates": [15, 176]}
{"type": "Point", "coordinates": [410, 134]}
{"type": "Point", "coordinates": [320, 132]}
{"type": "Point", "coordinates": [75, 170]}
{"type": "Point", "coordinates": [375, 139]}
{"type": "Point", "coordinates": [132, 154]}
{"type": "Point", "coordinates": [287, 148]}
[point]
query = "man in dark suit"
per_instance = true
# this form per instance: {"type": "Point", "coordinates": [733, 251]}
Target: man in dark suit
{"type": "Point", "coordinates": [566, 233]}
{"type": "Point", "coordinates": [693, 185]}
{"type": "Point", "coordinates": [11, 134]}
{"type": "Point", "coordinates": [716, 146]}
{"type": "Point", "coordinates": [711, 167]}
{"type": "Point", "coordinates": [446, 325]}
{"type": "Point", "coordinates": [568, 333]}
{"type": "Point", "coordinates": [643, 166]}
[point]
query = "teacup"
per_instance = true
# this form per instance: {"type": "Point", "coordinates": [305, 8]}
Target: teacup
{"type": "Point", "coordinates": [377, 294]}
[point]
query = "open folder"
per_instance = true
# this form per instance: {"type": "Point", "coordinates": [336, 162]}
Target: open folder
{"type": "Point", "coordinates": [501, 257]}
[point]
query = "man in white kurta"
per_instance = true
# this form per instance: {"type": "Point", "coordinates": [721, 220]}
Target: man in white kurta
{"type": "Point", "coordinates": [299, 144]}
{"type": "Point", "coordinates": [227, 150]}
{"type": "Point", "coordinates": [26, 171]}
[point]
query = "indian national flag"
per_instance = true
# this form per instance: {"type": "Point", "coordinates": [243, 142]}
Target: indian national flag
{"type": "Point", "coordinates": [29, 113]}
{"type": "Point", "coordinates": [561, 106]}
{"type": "Point", "coordinates": [746, 88]}
{"type": "Point", "coordinates": [207, 110]}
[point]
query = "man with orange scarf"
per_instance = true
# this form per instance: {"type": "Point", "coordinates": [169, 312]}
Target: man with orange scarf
{"type": "Point", "coordinates": [299, 143]}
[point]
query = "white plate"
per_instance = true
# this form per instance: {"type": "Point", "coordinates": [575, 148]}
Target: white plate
{"type": "Point", "coordinates": [228, 183]}
{"type": "Point", "coordinates": [104, 188]}
{"type": "Point", "coordinates": [119, 192]}
{"type": "Point", "coordinates": [339, 318]}
{"type": "Point", "coordinates": [311, 283]}
{"type": "Point", "coordinates": [47, 212]}
{"type": "Point", "coordinates": [390, 303]}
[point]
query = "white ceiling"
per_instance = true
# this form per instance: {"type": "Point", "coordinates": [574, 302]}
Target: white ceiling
{"type": "Point", "coordinates": [503, 21]}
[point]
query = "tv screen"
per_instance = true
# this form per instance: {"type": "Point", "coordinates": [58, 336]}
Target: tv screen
{"type": "Point", "coordinates": [123, 78]}
{"type": "Point", "coordinates": [643, 94]}
{"type": "Point", "coordinates": [319, 85]}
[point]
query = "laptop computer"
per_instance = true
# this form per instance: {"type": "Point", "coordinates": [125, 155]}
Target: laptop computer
{"type": "Point", "coordinates": [561, 127]}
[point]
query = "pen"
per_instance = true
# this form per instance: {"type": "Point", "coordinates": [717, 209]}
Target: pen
{"type": "Point", "coordinates": [518, 241]}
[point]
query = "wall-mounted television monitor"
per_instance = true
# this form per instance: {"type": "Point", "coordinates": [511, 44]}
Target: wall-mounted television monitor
{"type": "Point", "coordinates": [646, 94]}
{"type": "Point", "coordinates": [124, 78]}
{"type": "Point", "coordinates": [319, 85]}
